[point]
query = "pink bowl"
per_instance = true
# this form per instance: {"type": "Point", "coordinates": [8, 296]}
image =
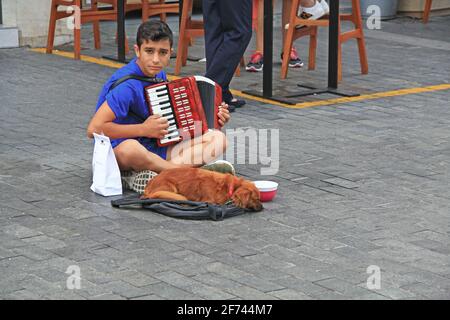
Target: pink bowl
{"type": "Point", "coordinates": [266, 196]}
{"type": "Point", "coordinates": [267, 190]}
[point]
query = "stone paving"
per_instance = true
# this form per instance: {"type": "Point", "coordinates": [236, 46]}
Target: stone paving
{"type": "Point", "coordinates": [363, 185]}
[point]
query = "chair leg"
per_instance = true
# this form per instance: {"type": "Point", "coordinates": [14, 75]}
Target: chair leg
{"type": "Point", "coordinates": [339, 52]}
{"type": "Point", "coordinates": [426, 11]}
{"type": "Point", "coordinates": [77, 43]}
{"type": "Point", "coordinates": [289, 39]}
{"type": "Point", "coordinates": [127, 46]}
{"type": "Point", "coordinates": [357, 20]}
{"type": "Point", "coordinates": [312, 49]}
{"type": "Point", "coordinates": [184, 52]}
{"type": "Point", "coordinates": [237, 72]}
{"type": "Point", "coordinates": [182, 40]}
{"type": "Point", "coordinates": [363, 55]}
{"type": "Point", "coordinates": [96, 27]}
{"type": "Point", "coordinates": [242, 62]}
{"type": "Point", "coordinates": [162, 16]}
{"type": "Point", "coordinates": [51, 28]}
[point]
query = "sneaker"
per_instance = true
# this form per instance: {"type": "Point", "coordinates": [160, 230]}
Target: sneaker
{"type": "Point", "coordinates": [137, 181]}
{"type": "Point", "coordinates": [256, 63]}
{"type": "Point", "coordinates": [294, 59]}
{"type": "Point", "coordinates": [317, 11]}
{"type": "Point", "coordinates": [325, 6]}
{"type": "Point", "coordinates": [313, 13]}
{"type": "Point", "coordinates": [236, 103]}
{"type": "Point", "coordinates": [221, 166]}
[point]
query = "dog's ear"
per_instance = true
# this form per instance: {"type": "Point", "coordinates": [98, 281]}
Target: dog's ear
{"type": "Point", "coordinates": [247, 196]}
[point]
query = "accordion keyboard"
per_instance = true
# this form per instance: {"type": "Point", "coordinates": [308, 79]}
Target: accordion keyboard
{"type": "Point", "coordinates": [181, 103]}
{"type": "Point", "coordinates": [161, 105]}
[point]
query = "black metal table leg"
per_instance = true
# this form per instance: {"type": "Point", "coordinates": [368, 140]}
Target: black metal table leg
{"type": "Point", "coordinates": [121, 57]}
{"type": "Point", "coordinates": [268, 49]}
{"type": "Point", "coordinates": [333, 42]}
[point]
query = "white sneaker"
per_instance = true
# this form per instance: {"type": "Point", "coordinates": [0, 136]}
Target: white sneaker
{"type": "Point", "coordinates": [325, 6]}
{"type": "Point", "coordinates": [313, 13]}
{"type": "Point", "coordinates": [137, 181]}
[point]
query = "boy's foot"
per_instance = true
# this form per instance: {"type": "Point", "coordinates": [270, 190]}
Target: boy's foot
{"type": "Point", "coordinates": [221, 166]}
{"type": "Point", "coordinates": [137, 181]}
{"type": "Point", "coordinates": [256, 63]}
{"type": "Point", "coordinates": [294, 59]}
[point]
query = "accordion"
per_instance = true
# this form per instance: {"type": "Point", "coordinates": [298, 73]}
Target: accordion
{"type": "Point", "coordinates": [189, 104]}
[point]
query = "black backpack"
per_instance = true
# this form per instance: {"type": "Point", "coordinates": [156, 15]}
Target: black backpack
{"type": "Point", "coordinates": [183, 209]}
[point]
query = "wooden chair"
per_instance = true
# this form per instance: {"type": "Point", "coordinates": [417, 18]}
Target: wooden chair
{"type": "Point", "coordinates": [86, 16]}
{"type": "Point", "coordinates": [426, 11]}
{"type": "Point", "coordinates": [152, 7]}
{"type": "Point", "coordinates": [311, 28]}
{"type": "Point", "coordinates": [149, 8]}
{"type": "Point", "coordinates": [190, 29]}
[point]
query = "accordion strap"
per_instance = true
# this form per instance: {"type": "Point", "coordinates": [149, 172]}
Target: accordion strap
{"type": "Point", "coordinates": [136, 77]}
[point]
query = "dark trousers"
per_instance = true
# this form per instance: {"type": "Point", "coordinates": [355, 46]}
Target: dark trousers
{"type": "Point", "coordinates": [228, 30]}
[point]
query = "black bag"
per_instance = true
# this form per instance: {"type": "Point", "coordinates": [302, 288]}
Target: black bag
{"type": "Point", "coordinates": [183, 209]}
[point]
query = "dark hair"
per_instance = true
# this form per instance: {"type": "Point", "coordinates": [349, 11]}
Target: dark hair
{"type": "Point", "coordinates": [154, 30]}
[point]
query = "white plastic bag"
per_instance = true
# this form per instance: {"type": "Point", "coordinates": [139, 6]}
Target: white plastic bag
{"type": "Point", "coordinates": [105, 170]}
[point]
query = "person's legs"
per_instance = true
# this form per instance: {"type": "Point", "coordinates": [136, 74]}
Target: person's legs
{"type": "Point", "coordinates": [235, 18]}
{"type": "Point", "coordinates": [198, 151]}
{"type": "Point", "coordinates": [138, 165]}
{"type": "Point", "coordinates": [131, 155]}
{"type": "Point", "coordinates": [256, 60]}
{"type": "Point", "coordinates": [213, 29]}
{"type": "Point", "coordinates": [294, 59]}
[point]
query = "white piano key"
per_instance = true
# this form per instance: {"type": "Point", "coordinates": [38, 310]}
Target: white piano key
{"type": "Point", "coordinates": [172, 128]}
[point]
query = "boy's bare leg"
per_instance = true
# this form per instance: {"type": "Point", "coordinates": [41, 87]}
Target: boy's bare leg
{"type": "Point", "coordinates": [198, 151]}
{"type": "Point", "coordinates": [131, 155]}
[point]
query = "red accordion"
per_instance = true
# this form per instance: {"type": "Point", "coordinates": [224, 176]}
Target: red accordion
{"type": "Point", "coordinates": [186, 103]}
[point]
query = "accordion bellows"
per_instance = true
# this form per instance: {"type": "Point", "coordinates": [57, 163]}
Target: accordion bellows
{"type": "Point", "coordinates": [189, 104]}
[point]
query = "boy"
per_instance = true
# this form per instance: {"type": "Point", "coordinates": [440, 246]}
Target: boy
{"type": "Point", "coordinates": [121, 111]}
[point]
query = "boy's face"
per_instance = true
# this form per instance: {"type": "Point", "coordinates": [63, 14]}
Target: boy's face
{"type": "Point", "coordinates": [153, 56]}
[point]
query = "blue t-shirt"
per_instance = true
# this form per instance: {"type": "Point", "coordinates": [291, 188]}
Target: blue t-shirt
{"type": "Point", "coordinates": [128, 103]}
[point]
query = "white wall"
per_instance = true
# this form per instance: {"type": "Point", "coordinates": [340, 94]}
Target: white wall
{"type": "Point", "coordinates": [31, 17]}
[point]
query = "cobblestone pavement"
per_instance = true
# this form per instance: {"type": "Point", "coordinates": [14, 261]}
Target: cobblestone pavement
{"type": "Point", "coordinates": [361, 184]}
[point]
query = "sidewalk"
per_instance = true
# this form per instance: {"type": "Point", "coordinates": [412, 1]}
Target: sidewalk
{"type": "Point", "coordinates": [362, 183]}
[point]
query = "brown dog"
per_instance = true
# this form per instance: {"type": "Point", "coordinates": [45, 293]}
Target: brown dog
{"type": "Point", "coordinates": [202, 185]}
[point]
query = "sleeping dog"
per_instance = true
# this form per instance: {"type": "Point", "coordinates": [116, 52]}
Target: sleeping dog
{"type": "Point", "coordinates": [205, 186]}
